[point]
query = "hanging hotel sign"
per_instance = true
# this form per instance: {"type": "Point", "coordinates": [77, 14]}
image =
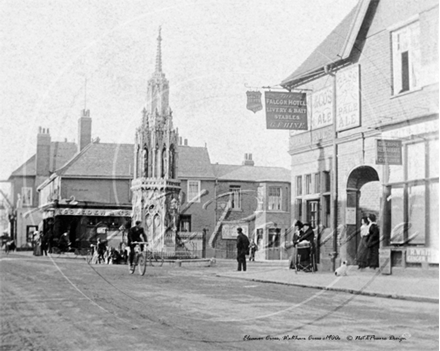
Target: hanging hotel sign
{"type": "Point", "coordinates": [286, 110]}
{"type": "Point", "coordinates": [388, 152]}
{"type": "Point", "coordinates": [91, 212]}
{"type": "Point", "coordinates": [254, 101]}
{"type": "Point", "coordinates": [322, 108]}
{"type": "Point", "coordinates": [347, 97]}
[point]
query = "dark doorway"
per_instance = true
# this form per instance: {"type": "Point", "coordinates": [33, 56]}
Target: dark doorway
{"type": "Point", "coordinates": [359, 204]}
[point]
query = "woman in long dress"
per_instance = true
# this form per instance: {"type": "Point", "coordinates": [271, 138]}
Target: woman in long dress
{"type": "Point", "coordinates": [362, 253]}
{"type": "Point", "coordinates": [373, 243]}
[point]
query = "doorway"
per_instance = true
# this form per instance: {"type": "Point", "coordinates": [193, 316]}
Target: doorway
{"type": "Point", "coordinates": [363, 198]}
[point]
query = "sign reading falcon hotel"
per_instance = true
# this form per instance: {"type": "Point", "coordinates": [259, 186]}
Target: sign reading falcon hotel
{"type": "Point", "coordinates": [286, 110]}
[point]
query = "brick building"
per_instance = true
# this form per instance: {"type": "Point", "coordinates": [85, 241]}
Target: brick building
{"type": "Point", "coordinates": [24, 215]}
{"type": "Point", "coordinates": [372, 143]}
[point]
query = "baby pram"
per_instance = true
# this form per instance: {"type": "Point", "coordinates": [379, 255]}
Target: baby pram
{"type": "Point", "coordinates": [304, 257]}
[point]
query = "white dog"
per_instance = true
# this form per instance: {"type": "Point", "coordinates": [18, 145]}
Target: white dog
{"type": "Point", "coordinates": [342, 270]}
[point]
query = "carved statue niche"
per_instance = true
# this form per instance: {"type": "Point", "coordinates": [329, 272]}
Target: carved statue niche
{"type": "Point", "coordinates": [172, 217]}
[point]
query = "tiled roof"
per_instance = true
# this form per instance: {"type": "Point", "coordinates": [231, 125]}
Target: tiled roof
{"type": "Point", "coordinates": [101, 160]}
{"type": "Point", "coordinates": [336, 47]}
{"type": "Point", "coordinates": [116, 160]}
{"type": "Point", "coordinates": [194, 162]}
{"type": "Point", "coordinates": [251, 173]}
{"type": "Point", "coordinates": [60, 153]}
{"type": "Point", "coordinates": [26, 169]}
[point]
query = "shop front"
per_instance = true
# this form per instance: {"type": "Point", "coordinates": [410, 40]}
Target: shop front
{"type": "Point", "coordinates": [85, 225]}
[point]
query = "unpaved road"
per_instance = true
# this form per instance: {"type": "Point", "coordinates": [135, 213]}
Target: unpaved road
{"type": "Point", "coordinates": [65, 304]}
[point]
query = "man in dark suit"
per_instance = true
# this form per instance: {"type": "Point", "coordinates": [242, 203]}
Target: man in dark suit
{"type": "Point", "coordinates": [242, 249]}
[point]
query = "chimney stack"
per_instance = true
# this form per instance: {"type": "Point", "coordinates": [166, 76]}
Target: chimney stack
{"type": "Point", "coordinates": [42, 157]}
{"type": "Point", "coordinates": [84, 130]}
{"type": "Point", "coordinates": [248, 160]}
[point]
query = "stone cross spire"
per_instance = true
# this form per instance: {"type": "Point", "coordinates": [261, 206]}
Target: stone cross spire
{"type": "Point", "coordinates": [159, 53]}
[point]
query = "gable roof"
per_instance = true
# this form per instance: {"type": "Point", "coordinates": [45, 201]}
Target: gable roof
{"type": "Point", "coordinates": [101, 160]}
{"type": "Point", "coordinates": [116, 160]}
{"type": "Point", "coordinates": [335, 49]}
{"type": "Point", "coordinates": [251, 173]}
{"type": "Point", "coordinates": [194, 162]}
{"type": "Point", "coordinates": [60, 153]}
{"type": "Point", "coordinates": [26, 169]}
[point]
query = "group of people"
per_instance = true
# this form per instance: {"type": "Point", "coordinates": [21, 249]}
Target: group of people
{"type": "Point", "coordinates": [368, 250]}
{"type": "Point", "coordinates": [303, 234]}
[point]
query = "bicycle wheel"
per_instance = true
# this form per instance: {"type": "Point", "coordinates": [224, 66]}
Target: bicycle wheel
{"type": "Point", "coordinates": [142, 264]}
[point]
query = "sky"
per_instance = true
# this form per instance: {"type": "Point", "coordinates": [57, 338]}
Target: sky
{"type": "Point", "coordinates": [59, 57]}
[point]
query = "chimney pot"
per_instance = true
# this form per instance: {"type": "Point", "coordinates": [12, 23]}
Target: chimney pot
{"type": "Point", "coordinates": [248, 160]}
{"type": "Point", "coordinates": [186, 142]}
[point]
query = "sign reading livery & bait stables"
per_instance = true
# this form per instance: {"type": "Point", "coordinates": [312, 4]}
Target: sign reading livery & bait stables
{"type": "Point", "coordinates": [286, 110]}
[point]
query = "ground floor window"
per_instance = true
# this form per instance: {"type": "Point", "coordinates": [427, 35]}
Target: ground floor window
{"type": "Point", "coordinates": [185, 223]}
{"type": "Point", "coordinates": [412, 202]}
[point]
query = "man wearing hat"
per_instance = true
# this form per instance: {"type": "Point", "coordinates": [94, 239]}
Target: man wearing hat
{"type": "Point", "coordinates": [242, 249]}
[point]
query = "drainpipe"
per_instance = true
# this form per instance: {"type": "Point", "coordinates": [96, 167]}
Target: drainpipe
{"type": "Point", "coordinates": [334, 203]}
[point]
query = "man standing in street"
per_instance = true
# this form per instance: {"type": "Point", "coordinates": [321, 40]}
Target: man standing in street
{"type": "Point", "coordinates": [242, 249]}
{"type": "Point", "coordinates": [134, 235]}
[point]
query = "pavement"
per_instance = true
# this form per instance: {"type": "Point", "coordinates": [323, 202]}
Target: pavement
{"type": "Point", "coordinates": [413, 284]}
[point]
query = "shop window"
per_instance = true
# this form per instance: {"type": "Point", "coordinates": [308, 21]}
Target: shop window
{"type": "Point", "coordinates": [185, 223]}
{"type": "Point", "coordinates": [416, 214]}
{"type": "Point", "coordinates": [299, 185]}
{"type": "Point", "coordinates": [236, 197]}
{"type": "Point", "coordinates": [193, 191]}
{"type": "Point", "coordinates": [406, 58]}
{"type": "Point", "coordinates": [397, 216]}
{"type": "Point", "coordinates": [414, 203]}
{"type": "Point", "coordinates": [308, 184]}
{"type": "Point", "coordinates": [275, 198]}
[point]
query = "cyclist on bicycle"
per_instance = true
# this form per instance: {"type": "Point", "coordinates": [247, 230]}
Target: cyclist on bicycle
{"type": "Point", "coordinates": [134, 235]}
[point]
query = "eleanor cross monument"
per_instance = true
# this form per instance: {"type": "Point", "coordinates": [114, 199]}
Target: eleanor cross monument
{"type": "Point", "coordinates": [155, 186]}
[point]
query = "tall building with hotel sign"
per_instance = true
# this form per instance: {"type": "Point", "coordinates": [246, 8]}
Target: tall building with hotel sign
{"type": "Point", "coordinates": [372, 142]}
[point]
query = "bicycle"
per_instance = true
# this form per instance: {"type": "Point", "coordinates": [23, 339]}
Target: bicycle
{"type": "Point", "coordinates": [155, 258]}
{"type": "Point", "coordinates": [139, 259]}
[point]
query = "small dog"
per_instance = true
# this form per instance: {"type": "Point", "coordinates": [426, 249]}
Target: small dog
{"type": "Point", "coordinates": [342, 270]}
